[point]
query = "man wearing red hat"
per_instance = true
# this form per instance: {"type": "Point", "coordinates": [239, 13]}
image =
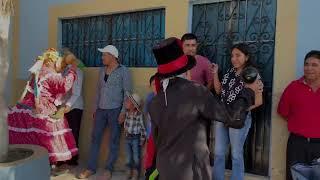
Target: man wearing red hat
{"type": "Point", "coordinates": [180, 114]}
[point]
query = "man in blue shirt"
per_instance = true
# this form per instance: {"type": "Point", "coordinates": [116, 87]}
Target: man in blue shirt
{"type": "Point", "coordinates": [113, 83]}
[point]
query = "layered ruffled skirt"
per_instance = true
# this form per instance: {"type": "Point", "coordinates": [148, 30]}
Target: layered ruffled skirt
{"type": "Point", "coordinates": [55, 135]}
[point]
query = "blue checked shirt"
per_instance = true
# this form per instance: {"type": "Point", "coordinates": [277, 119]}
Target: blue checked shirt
{"type": "Point", "coordinates": [134, 125]}
{"type": "Point", "coordinates": [111, 94]}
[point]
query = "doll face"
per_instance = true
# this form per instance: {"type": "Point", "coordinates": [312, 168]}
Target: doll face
{"type": "Point", "coordinates": [49, 64]}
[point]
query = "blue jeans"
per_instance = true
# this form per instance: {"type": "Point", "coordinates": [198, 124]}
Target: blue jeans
{"type": "Point", "coordinates": [103, 119]}
{"type": "Point", "coordinates": [306, 171]}
{"type": "Point", "coordinates": [301, 172]}
{"type": "Point", "coordinates": [133, 151]}
{"type": "Point", "coordinates": [236, 137]}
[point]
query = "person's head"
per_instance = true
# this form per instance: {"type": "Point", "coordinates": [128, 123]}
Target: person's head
{"type": "Point", "coordinates": [171, 59]}
{"type": "Point", "coordinates": [129, 105]}
{"type": "Point", "coordinates": [312, 66]}
{"type": "Point", "coordinates": [110, 55]}
{"type": "Point", "coordinates": [132, 102]}
{"type": "Point", "coordinates": [240, 56]}
{"type": "Point", "coordinates": [69, 57]}
{"type": "Point", "coordinates": [152, 83]}
{"type": "Point", "coordinates": [189, 44]}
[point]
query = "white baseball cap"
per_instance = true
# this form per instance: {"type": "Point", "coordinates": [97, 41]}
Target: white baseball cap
{"type": "Point", "coordinates": [110, 49]}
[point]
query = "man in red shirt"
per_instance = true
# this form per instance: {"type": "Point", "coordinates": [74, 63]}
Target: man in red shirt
{"type": "Point", "coordinates": [300, 106]}
{"type": "Point", "coordinates": [201, 72]}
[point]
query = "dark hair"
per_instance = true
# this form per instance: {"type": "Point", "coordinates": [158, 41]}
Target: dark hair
{"type": "Point", "coordinates": [152, 79]}
{"type": "Point", "coordinates": [244, 48]}
{"type": "Point", "coordinates": [189, 36]}
{"type": "Point", "coordinates": [314, 54]}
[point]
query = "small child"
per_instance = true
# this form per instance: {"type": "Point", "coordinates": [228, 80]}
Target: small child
{"type": "Point", "coordinates": [135, 133]}
{"type": "Point", "coordinates": [147, 102]}
{"type": "Point", "coordinates": [150, 153]}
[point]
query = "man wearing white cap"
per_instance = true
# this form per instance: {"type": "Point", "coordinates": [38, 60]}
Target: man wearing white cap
{"type": "Point", "coordinates": [113, 84]}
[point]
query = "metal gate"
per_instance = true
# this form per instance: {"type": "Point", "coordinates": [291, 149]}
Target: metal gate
{"type": "Point", "coordinates": [221, 24]}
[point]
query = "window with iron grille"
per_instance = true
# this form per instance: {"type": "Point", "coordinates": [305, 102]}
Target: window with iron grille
{"type": "Point", "coordinates": [134, 34]}
{"type": "Point", "coordinates": [221, 24]}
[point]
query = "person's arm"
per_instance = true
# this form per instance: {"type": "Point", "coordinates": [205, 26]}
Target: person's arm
{"type": "Point", "coordinates": [99, 85]}
{"type": "Point", "coordinates": [127, 88]}
{"type": "Point", "coordinates": [284, 103]}
{"type": "Point", "coordinates": [258, 101]}
{"type": "Point", "coordinates": [212, 109]}
{"type": "Point", "coordinates": [76, 91]}
{"type": "Point", "coordinates": [143, 129]}
{"type": "Point", "coordinates": [216, 82]}
{"type": "Point", "coordinates": [215, 110]}
{"type": "Point", "coordinates": [208, 74]}
{"type": "Point", "coordinates": [63, 84]}
{"type": "Point", "coordinates": [257, 87]}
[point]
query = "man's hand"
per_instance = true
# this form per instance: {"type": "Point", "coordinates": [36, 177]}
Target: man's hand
{"type": "Point", "coordinates": [260, 86]}
{"type": "Point", "coordinates": [256, 86]}
{"type": "Point", "coordinates": [214, 68]}
{"type": "Point", "coordinates": [122, 117]}
{"type": "Point", "coordinates": [59, 114]}
{"type": "Point", "coordinates": [67, 109]}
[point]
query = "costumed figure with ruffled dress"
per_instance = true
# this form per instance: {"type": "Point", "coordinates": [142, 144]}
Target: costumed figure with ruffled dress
{"type": "Point", "coordinates": [36, 118]}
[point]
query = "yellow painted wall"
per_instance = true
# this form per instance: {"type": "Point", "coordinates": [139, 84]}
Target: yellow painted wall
{"type": "Point", "coordinates": [176, 13]}
{"type": "Point", "coordinates": [15, 54]}
{"type": "Point", "coordinates": [177, 24]}
{"type": "Point", "coordinates": [284, 72]}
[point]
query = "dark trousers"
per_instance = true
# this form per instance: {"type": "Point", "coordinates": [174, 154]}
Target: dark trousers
{"type": "Point", "coordinates": [301, 150]}
{"type": "Point", "coordinates": [150, 170]}
{"type": "Point", "coordinates": [74, 121]}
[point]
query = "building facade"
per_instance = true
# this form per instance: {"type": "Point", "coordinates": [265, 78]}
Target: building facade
{"type": "Point", "coordinates": [280, 32]}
